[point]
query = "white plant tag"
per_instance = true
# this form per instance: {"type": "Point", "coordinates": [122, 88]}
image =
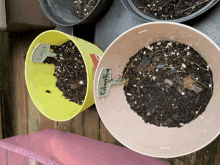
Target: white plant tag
{"type": "Point", "coordinates": [40, 52]}
{"type": "Point", "coordinates": [105, 81]}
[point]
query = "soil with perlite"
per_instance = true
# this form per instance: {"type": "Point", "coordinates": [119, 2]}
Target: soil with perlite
{"type": "Point", "coordinates": [168, 84]}
{"type": "Point", "coordinates": [169, 9]}
{"type": "Point", "coordinates": [70, 71]}
{"type": "Point", "coordinates": [84, 7]}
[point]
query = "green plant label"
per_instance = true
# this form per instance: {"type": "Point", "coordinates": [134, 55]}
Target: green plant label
{"type": "Point", "coordinates": [105, 81]}
{"type": "Point", "coordinates": [41, 52]}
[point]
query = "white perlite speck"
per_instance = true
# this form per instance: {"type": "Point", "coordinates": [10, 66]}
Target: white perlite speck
{"type": "Point", "coordinates": [181, 124]}
{"type": "Point", "coordinates": [150, 48]}
{"type": "Point", "coordinates": [169, 44]}
{"type": "Point", "coordinates": [159, 43]}
{"type": "Point", "coordinates": [129, 94]}
{"type": "Point", "coordinates": [167, 81]}
{"type": "Point", "coordinates": [210, 85]}
{"type": "Point", "coordinates": [154, 77]}
{"type": "Point", "coordinates": [182, 93]}
{"type": "Point", "coordinates": [183, 65]}
{"type": "Point", "coordinates": [81, 82]}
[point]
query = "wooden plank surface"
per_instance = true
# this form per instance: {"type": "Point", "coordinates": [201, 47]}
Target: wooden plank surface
{"type": "Point", "coordinates": [19, 90]}
{"type": "Point", "coordinates": [5, 65]}
{"type": "Point", "coordinates": [4, 48]}
{"type": "Point", "coordinates": [29, 120]}
{"type": "Point", "coordinates": [92, 125]}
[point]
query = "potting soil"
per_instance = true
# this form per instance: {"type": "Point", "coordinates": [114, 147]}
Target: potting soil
{"type": "Point", "coordinates": [168, 84]}
{"type": "Point", "coordinates": [70, 71]}
{"type": "Point", "coordinates": [169, 9]}
{"type": "Point", "coordinates": [84, 7]}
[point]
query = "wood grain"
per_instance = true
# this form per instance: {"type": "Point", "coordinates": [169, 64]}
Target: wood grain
{"type": "Point", "coordinates": [5, 86]}
{"type": "Point", "coordinates": [92, 125]}
{"type": "Point", "coordinates": [78, 124]}
{"type": "Point", "coordinates": [19, 89]}
{"type": "Point", "coordinates": [105, 135]}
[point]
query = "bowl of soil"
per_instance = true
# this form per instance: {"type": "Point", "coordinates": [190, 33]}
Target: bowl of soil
{"type": "Point", "coordinates": [170, 10]}
{"type": "Point", "coordinates": [156, 89]}
{"type": "Point", "coordinates": [61, 85]}
{"type": "Point", "coordinates": [70, 13]}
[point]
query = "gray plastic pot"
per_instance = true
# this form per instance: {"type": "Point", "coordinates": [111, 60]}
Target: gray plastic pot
{"type": "Point", "coordinates": [129, 5]}
{"type": "Point", "coordinates": [63, 12]}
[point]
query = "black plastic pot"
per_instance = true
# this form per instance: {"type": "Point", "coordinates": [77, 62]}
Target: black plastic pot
{"type": "Point", "coordinates": [63, 12]}
{"type": "Point", "coordinates": [129, 5]}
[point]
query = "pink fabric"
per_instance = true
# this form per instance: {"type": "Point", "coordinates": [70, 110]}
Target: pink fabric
{"type": "Point", "coordinates": [55, 147]}
{"type": "Point", "coordinates": [2, 156]}
{"type": "Point", "coordinates": [14, 158]}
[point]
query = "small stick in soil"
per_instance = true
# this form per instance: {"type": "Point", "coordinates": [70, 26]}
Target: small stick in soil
{"type": "Point", "coordinates": [129, 67]}
{"type": "Point", "coordinates": [199, 82]}
{"type": "Point", "coordinates": [193, 7]}
{"type": "Point", "coordinates": [144, 76]}
{"type": "Point", "coordinates": [173, 66]}
{"type": "Point", "coordinates": [158, 50]}
{"type": "Point", "coordinates": [197, 99]}
{"type": "Point", "coordinates": [154, 64]}
{"type": "Point", "coordinates": [198, 112]}
{"type": "Point", "coordinates": [66, 68]}
{"type": "Point", "coordinates": [69, 66]}
{"type": "Point", "coordinates": [197, 65]}
{"type": "Point", "coordinates": [178, 4]}
{"type": "Point", "coordinates": [141, 7]}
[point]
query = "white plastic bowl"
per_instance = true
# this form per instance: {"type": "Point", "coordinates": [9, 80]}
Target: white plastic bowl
{"type": "Point", "coordinates": [129, 128]}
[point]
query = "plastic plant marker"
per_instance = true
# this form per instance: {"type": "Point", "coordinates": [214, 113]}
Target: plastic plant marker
{"type": "Point", "coordinates": [105, 81]}
{"type": "Point", "coordinates": [41, 52]}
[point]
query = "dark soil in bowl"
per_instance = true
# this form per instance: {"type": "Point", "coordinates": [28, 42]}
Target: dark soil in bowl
{"type": "Point", "coordinates": [169, 9]}
{"type": "Point", "coordinates": [70, 71]}
{"type": "Point", "coordinates": [84, 7]}
{"type": "Point", "coordinates": [168, 84]}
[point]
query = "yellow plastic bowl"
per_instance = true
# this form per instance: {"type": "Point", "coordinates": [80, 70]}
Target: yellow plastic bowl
{"type": "Point", "coordinates": [39, 78]}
